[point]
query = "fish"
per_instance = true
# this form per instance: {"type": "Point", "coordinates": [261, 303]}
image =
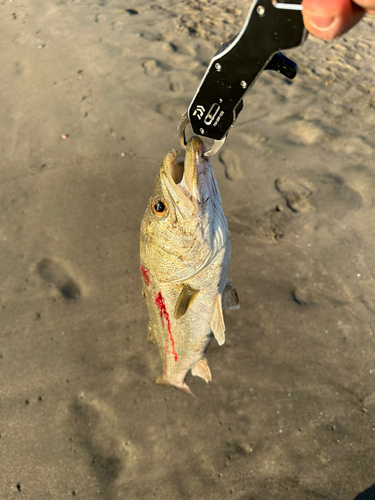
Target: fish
{"type": "Point", "coordinates": [185, 252]}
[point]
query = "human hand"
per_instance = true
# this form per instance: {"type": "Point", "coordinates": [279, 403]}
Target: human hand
{"type": "Point", "coordinates": [329, 19]}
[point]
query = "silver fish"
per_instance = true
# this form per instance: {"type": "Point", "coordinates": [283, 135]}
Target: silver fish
{"type": "Point", "coordinates": [185, 252]}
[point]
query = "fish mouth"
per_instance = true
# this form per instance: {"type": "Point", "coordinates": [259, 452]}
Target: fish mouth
{"type": "Point", "coordinates": [188, 174]}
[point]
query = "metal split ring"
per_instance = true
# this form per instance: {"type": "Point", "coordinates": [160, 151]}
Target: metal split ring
{"type": "Point", "coordinates": [184, 122]}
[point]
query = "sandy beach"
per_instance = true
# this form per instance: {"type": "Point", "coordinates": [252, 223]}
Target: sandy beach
{"type": "Point", "coordinates": [91, 93]}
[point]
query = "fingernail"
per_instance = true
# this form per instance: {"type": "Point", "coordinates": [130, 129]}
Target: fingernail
{"type": "Point", "coordinates": [322, 23]}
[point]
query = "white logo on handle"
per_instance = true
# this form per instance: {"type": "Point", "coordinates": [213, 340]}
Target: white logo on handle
{"type": "Point", "coordinates": [199, 111]}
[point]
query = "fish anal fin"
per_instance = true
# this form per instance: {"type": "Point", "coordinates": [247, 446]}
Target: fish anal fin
{"type": "Point", "coordinates": [230, 297]}
{"type": "Point", "coordinates": [184, 301]}
{"type": "Point", "coordinates": [217, 322]}
{"type": "Point", "coordinates": [202, 370]}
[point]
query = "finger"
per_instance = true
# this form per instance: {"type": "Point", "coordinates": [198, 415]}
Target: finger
{"type": "Point", "coordinates": [367, 5]}
{"type": "Point", "coordinates": [329, 20]}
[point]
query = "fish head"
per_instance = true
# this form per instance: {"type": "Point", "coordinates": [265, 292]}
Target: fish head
{"type": "Point", "coordinates": [184, 225]}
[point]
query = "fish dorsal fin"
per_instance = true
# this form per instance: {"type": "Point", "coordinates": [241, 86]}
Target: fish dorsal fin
{"type": "Point", "coordinates": [217, 322]}
{"type": "Point", "coordinates": [184, 301]}
{"type": "Point", "coordinates": [202, 370]}
{"type": "Point", "coordinates": [230, 297]}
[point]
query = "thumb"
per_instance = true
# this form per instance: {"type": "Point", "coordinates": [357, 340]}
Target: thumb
{"type": "Point", "coordinates": [329, 20]}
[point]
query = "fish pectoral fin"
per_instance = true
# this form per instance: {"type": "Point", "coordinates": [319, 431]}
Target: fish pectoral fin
{"type": "Point", "coordinates": [217, 322]}
{"type": "Point", "coordinates": [230, 297]}
{"type": "Point", "coordinates": [202, 370]}
{"type": "Point", "coordinates": [184, 301]}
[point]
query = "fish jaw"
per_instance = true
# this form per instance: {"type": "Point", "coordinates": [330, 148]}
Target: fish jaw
{"type": "Point", "coordinates": [198, 174]}
{"type": "Point", "coordinates": [172, 173]}
{"type": "Point", "coordinates": [196, 183]}
{"type": "Point", "coordinates": [193, 167]}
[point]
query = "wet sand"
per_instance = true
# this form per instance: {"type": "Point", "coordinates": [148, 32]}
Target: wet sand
{"type": "Point", "coordinates": [91, 94]}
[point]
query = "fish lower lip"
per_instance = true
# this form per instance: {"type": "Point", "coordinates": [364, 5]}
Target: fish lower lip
{"type": "Point", "coordinates": [193, 159]}
{"type": "Point", "coordinates": [196, 145]}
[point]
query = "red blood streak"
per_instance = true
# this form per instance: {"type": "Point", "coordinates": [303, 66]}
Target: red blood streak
{"type": "Point", "coordinates": [160, 302]}
{"type": "Point", "coordinates": [145, 273]}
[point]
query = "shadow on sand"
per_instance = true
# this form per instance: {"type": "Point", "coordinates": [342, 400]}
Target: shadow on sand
{"type": "Point", "coordinates": [368, 494]}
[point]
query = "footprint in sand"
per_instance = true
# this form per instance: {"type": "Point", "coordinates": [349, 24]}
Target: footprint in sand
{"type": "Point", "coordinates": [295, 194]}
{"type": "Point", "coordinates": [152, 36]}
{"type": "Point", "coordinates": [361, 179]}
{"type": "Point", "coordinates": [54, 273]}
{"type": "Point", "coordinates": [176, 83]}
{"type": "Point", "coordinates": [99, 434]}
{"type": "Point", "coordinates": [96, 439]}
{"type": "Point", "coordinates": [310, 292]}
{"type": "Point", "coordinates": [173, 109]}
{"type": "Point", "coordinates": [305, 132]}
{"type": "Point", "coordinates": [308, 132]}
{"type": "Point", "coordinates": [232, 167]}
{"type": "Point", "coordinates": [355, 145]}
{"type": "Point", "coordinates": [334, 196]}
{"type": "Point", "coordinates": [151, 67]}
{"type": "Point", "coordinates": [303, 296]}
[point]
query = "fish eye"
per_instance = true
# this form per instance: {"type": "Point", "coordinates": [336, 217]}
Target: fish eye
{"type": "Point", "coordinates": [159, 207]}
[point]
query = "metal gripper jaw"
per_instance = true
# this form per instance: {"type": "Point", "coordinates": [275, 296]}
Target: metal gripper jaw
{"type": "Point", "coordinates": [270, 27]}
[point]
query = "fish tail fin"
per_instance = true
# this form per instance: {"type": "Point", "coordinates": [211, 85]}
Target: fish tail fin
{"type": "Point", "coordinates": [182, 386]}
